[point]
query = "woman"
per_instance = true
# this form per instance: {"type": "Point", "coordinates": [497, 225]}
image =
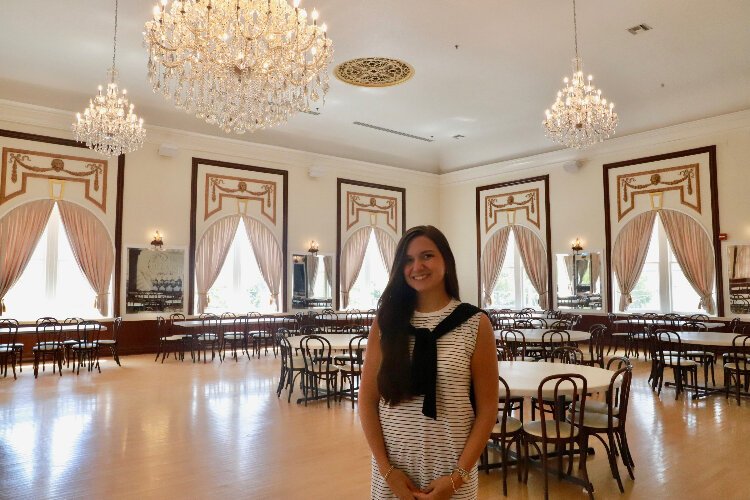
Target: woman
{"type": "Point", "coordinates": [425, 354]}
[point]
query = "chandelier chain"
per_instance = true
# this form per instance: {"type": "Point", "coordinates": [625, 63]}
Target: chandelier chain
{"type": "Point", "coordinates": [114, 50]}
{"type": "Point", "coordinates": [575, 28]}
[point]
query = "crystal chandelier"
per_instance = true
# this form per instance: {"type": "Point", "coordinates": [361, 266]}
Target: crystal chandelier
{"type": "Point", "coordinates": [109, 125]}
{"type": "Point", "coordinates": [580, 116]}
{"type": "Point", "coordinates": [240, 64]}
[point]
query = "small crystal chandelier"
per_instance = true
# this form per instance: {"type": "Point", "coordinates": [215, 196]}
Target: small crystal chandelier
{"type": "Point", "coordinates": [580, 116]}
{"type": "Point", "coordinates": [109, 125]}
{"type": "Point", "coordinates": [240, 64]}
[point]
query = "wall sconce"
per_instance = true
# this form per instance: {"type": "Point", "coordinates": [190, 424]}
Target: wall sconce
{"type": "Point", "coordinates": [157, 242]}
{"type": "Point", "coordinates": [313, 247]}
{"type": "Point", "coordinates": [511, 217]}
{"type": "Point", "coordinates": [577, 247]}
{"type": "Point", "coordinates": [657, 200]}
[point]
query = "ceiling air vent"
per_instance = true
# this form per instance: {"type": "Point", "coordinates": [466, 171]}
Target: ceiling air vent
{"type": "Point", "coordinates": [390, 131]}
{"type": "Point", "coordinates": [639, 28]}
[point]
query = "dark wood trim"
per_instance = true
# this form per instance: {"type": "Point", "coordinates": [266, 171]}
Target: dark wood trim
{"type": "Point", "coordinates": [715, 229]}
{"type": "Point", "coordinates": [548, 235]}
{"type": "Point", "coordinates": [119, 204]}
{"type": "Point", "coordinates": [194, 211]}
{"type": "Point", "coordinates": [12, 134]}
{"type": "Point", "coordinates": [339, 182]}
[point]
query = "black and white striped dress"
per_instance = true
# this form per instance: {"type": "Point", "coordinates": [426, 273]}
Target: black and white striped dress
{"type": "Point", "coordinates": [423, 448]}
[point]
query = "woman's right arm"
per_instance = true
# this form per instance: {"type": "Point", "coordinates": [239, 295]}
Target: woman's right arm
{"type": "Point", "coordinates": [369, 400]}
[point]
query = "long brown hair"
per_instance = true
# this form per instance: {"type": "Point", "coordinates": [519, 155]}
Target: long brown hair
{"type": "Point", "coordinates": [395, 309]}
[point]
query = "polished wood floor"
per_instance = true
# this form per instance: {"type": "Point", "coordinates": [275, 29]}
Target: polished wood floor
{"type": "Point", "coordinates": [183, 430]}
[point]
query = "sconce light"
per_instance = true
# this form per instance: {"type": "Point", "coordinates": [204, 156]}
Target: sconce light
{"type": "Point", "coordinates": [313, 247]}
{"type": "Point", "coordinates": [511, 217]}
{"type": "Point", "coordinates": [657, 200]}
{"type": "Point", "coordinates": [157, 242]}
{"type": "Point", "coordinates": [577, 247]}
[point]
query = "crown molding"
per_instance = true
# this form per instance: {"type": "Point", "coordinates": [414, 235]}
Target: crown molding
{"type": "Point", "coordinates": [57, 123]}
{"type": "Point", "coordinates": [628, 145]}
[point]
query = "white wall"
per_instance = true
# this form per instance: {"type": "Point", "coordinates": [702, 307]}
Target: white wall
{"type": "Point", "coordinates": [577, 199]}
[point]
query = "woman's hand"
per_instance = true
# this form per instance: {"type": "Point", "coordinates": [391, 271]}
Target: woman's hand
{"type": "Point", "coordinates": [439, 489]}
{"type": "Point", "coordinates": [401, 485]}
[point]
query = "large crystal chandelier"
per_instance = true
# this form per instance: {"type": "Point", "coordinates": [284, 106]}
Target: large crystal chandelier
{"type": "Point", "coordinates": [580, 116]}
{"type": "Point", "coordinates": [109, 125]}
{"type": "Point", "coordinates": [240, 64]}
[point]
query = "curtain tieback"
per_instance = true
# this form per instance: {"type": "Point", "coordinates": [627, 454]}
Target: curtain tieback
{"type": "Point", "coordinates": [2, 305]}
{"type": "Point", "coordinates": [98, 301]}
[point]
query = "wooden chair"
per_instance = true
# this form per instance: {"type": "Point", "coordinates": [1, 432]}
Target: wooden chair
{"type": "Point", "coordinates": [319, 368]}
{"type": "Point", "coordinates": [505, 433]}
{"type": "Point", "coordinates": [553, 429]}
{"type": "Point", "coordinates": [71, 338]}
{"type": "Point", "coordinates": [86, 350]}
{"type": "Point", "coordinates": [8, 337]}
{"type": "Point", "coordinates": [292, 365]}
{"type": "Point", "coordinates": [17, 347]}
{"type": "Point", "coordinates": [168, 342]}
{"type": "Point", "coordinates": [552, 339]}
{"type": "Point", "coordinates": [112, 343]}
{"type": "Point", "coordinates": [736, 366]}
{"type": "Point", "coordinates": [595, 354]}
{"type": "Point", "coordinates": [48, 345]}
{"type": "Point", "coordinates": [209, 336]}
{"type": "Point", "coordinates": [236, 334]}
{"type": "Point", "coordinates": [351, 370]}
{"type": "Point", "coordinates": [566, 354]}
{"type": "Point", "coordinates": [672, 355]}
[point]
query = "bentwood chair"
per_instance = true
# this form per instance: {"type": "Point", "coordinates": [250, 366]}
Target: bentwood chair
{"type": "Point", "coordinates": [292, 364]}
{"type": "Point", "coordinates": [112, 343]}
{"type": "Point", "coordinates": [86, 350]}
{"type": "Point", "coordinates": [71, 338]}
{"type": "Point", "coordinates": [595, 354]}
{"type": "Point", "coordinates": [17, 347]}
{"type": "Point", "coordinates": [553, 429]}
{"type": "Point", "coordinates": [48, 345]}
{"type": "Point", "coordinates": [707, 359]}
{"type": "Point", "coordinates": [737, 366]}
{"type": "Point", "coordinates": [236, 335]}
{"type": "Point", "coordinates": [8, 337]}
{"type": "Point", "coordinates": [611, 423]}
{"type": "Point", "coordinates": [672, 355]}
{"type": "Point", "coordinates": [169, 343]}
{"type": "Point", "coordinates": [319, 368]}
{"type": "Point", "coordinates": [351, 369]}
{"type": "Point", "coordinates": [552, 339]}
{"type": "Point", "coordinates": [208, 336]}
{"type": "Point", "coordinates": [505, 433]}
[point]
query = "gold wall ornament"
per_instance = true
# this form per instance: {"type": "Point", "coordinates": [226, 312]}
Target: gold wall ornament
{"type": "Point", "coordinates": [21, 166]}
{"type": "Point", "coordinates": [360, 203]}
{"type": "Point", "coordinates": [684, 179]}
{"type": "Point", "coordinates": [220, 187]}
{"type": "Point", "coordinates": [526, 201]}
{"type": "Point", "coordinates": [373, 72]}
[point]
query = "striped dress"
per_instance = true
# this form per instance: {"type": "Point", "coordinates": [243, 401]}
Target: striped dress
{"type": "Point", "coordinates": [423, 448]}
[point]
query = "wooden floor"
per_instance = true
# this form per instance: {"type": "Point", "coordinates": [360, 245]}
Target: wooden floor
{"type": "Point", "coordinates": [182, 430]}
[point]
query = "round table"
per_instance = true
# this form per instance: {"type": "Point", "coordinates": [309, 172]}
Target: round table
{"type": "Point", "coordinates": [718, 339]}
{"type": "Point", "coordinates": [534, 335]}
{"type": "Point", "coordinates": [338, 341]}
{"type": "Point", "coordinates": [523, 377]}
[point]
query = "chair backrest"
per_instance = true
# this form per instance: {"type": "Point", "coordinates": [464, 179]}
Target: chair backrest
{"type": "Point", "coordinates": [566, 354]}
{"type": "Point", "coordinates": [210, 323]}
{"type": "Point", "coordinates": [740, 352]}
{"type": "Point", "coordinates": [161, 327]}
{"type": "Point", "coordinates": [556, 388]}
{"type": "Point", "coordinates": [560, 324]}
{"type": "Point", "coordinates": [693, 326]}
{"type": "Point", "coordinates": [668, 344]}
{"type": "Point", "coordinates": [46, 319]}
{"type": "Point", "coordinates": [529, 310]}
{"type": "Point", "coordinates": [356, 348]}
{"type": "Point", "coordinates": [522, 323]}
{"type": "Point", "coordinates": [671, 320]}
{"type": "Point", "coordinates": [239, 325]}
{"type": "Point", "coordinates": [598, 332]}
{"type": "Point", "coordinates": [513, 343]}
{"type": "Point", "coordinates": [227, 321]}
{"type": "Point", "coordinates": [698, 317]}
{"type": "Point", "coordinates": [551, 314]}
{"type": "Point", "coordinates": [8, 331]}
{"type": "Point", "coordinates": [116, 327]}
{"type": "Point", "coordinates": [308, 330]}
{"type": "Point", "coordinates": [72, 321]}
{"type": "Point", "coordinates": [316, 352]}
{"type": "Point", "coordinates": [506, 405]}
{"type": "Point", "coordinates": [522, 314]}
{"type": "Point", "coordinates": [618, 362]}
{"type": "Point", "coordinates": [618, 396]}
{"type": "Point", "coordinates": [89, 331]}
{"type": "Point", "coordinates": [49, 332]}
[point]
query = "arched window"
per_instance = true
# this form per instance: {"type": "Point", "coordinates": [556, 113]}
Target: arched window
{"type": "Point", "coordinates": [372, 278]}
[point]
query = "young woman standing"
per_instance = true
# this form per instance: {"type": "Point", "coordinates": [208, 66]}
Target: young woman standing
{"type": "Point", "coordinates": [427, 355]}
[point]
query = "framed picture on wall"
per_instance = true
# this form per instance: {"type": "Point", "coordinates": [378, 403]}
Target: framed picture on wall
{"type": "Point", "coordinates": [155, 281]}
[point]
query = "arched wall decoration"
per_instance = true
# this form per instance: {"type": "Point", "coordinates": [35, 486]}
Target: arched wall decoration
{"type": "Point", "coordinates": [684, 180]}
{"type": "Point", "coordinates": [358, 203]}
{"type": "Point", "coordinates": [679, 179]}
{"type": "Point", "coordinates": [232, 189]}
{"type": "Point", "coordinates": [21, 167]}
{"type": "Point", "coordinates": [526, 201]}
{"type": "Point", "coordinates": [362, 204]}
{"type": "Point", "coordinates": [221, 187]}
{"type": "Point", "coordinates": [31, 162]}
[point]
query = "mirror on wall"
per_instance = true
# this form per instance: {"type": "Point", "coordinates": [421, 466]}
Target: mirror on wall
{"type": "Point", "coordinates": [579, 280]}
{"type": "Point", "coordinates": [739, 279]}
{"type": "Point", "coordinates": [312, 281]}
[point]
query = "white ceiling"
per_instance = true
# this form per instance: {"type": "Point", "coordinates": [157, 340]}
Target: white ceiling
{"type": "Point", "coordinates": [493, 89]}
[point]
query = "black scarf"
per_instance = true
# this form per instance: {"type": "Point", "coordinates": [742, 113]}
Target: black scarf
{"type": "Point", "coordinates": [424, 356]}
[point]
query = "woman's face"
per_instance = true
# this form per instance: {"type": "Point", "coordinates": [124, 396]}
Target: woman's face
{"type": "Point", "coordinates": [425, 268]}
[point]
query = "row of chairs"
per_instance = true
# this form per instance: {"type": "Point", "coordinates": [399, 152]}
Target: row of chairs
{"type": "Point", "coordinates": [538, 323]}
{"type": "Point", "coordinates": [568, 418]}
{"type": "Point", "coordinates": [512, 345]}
{"type": "Point", "coordinates": [72, 339]}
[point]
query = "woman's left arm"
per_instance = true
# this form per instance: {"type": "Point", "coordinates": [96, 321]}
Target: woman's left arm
{"type": "Point", "coordinates": [484, 376]}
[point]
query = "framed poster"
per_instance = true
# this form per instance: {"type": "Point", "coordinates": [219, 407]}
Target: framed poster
{"type": "Point", "coordinates": [156, 281]}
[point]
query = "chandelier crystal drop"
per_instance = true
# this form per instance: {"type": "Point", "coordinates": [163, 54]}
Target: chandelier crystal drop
{"type": "Point", "coordinates": [580, 115]}
{"type": "Point", "coordinates": [240, 64]}
{"type": "Point", "coordinates": [109, 125]}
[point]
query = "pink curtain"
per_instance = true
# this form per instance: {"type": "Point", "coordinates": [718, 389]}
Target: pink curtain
{"type": "Point", "coordinates": [92, 248]}
{"type": "Point", "coordinates": [268, 254]}
{"type": "Point", "coordinates": [568, 259]}
{"type": "Point", "coordinates": [210, 255]}
{"type": "Point", "coordinates": [20, 230]}
{"type": "Point", "coordinates": [386, 246]}
{"type": "Point", "coordinates": [739, 262]}
{"type": "Point", "coordinates": [694, 252]}
{"type": "Point", "coordinates": [629, 254]}
{"type": "Point", "coordinates": [596, 269]}
{"type": "Point", "coordinates": [534, 258]}
{"type": "Point", "coordinates": [352, 256]}
{"type": "Point", "coordinates": [493, 257]}
{"type": "Point", "coordinates": [311, 273]}
{"type": "Point", "coordinates": [328, 268]}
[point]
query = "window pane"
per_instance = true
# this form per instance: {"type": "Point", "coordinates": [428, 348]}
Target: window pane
{"type": "Point", "coordinates": [371, 281]}
{"type": "Point", "coordinates": [646, 292]}
{"type": "Point", "coordinates": [530, 295]}
{"type": "Point", "coordinates": [684, 297]}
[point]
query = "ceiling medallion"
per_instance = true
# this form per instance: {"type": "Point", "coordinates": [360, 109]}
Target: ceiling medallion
{"type": "Point", "coordinates": [373, 72]}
